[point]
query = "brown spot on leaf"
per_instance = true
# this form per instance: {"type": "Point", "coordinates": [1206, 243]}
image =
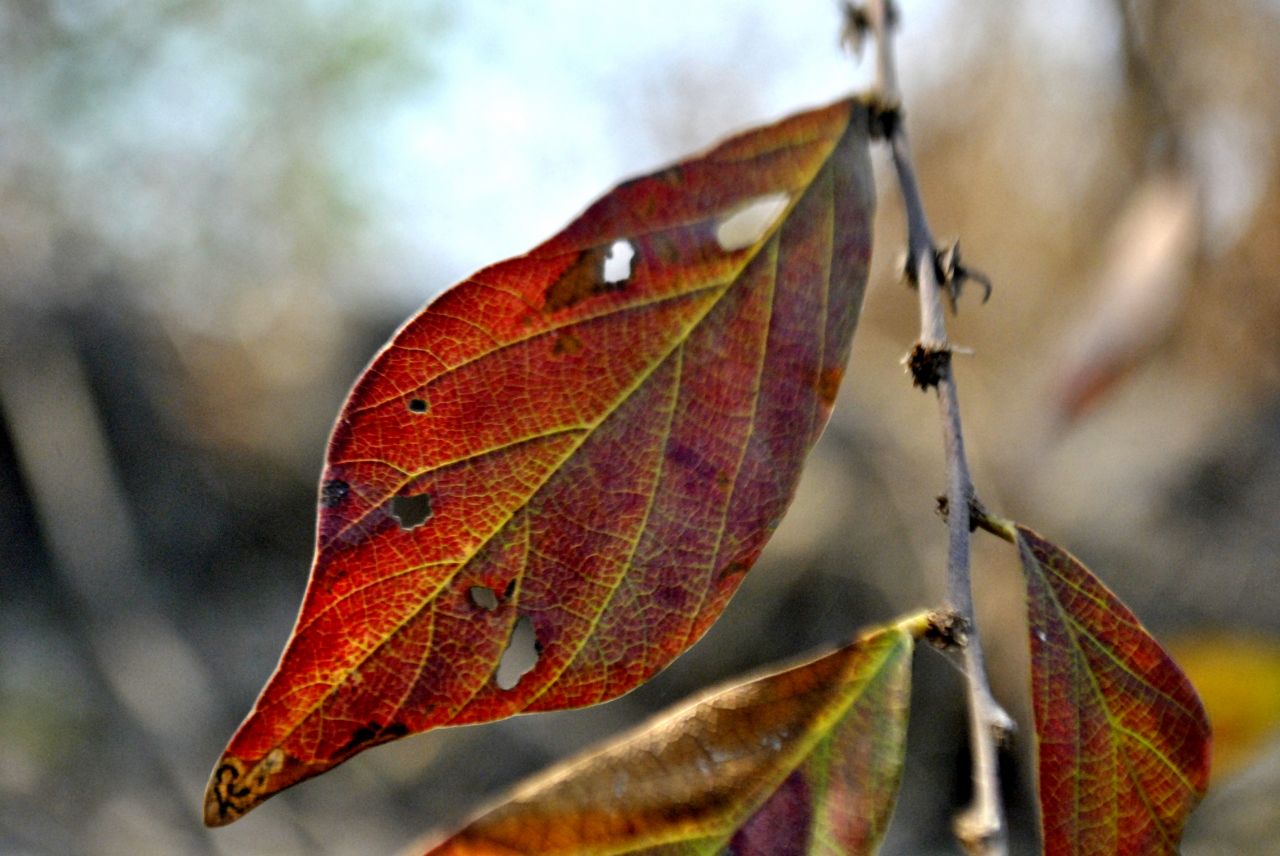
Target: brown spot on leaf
{"type": "Point", "coordinates": [364, 734]}
{"type": "Point", "coordinates": [672, 176]}
{"type": "Point", "coordinates": [829, 384]}
{"type": "Point", "coordinates": [566, 343]}
{"type": "Point", "coordinates": [582, 279]}
{"type": "Point", "coordinates": [664, 249]}
{"type": "Point", "coordinates": [333, 492]}
{"type": "Point", "coordinates": [738, 566]}
{"type": "Point", "coordinates": [373, 733]}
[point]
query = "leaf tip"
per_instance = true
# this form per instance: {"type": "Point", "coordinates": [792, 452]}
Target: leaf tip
{"type": "Point", "coordinates": [234, 788]}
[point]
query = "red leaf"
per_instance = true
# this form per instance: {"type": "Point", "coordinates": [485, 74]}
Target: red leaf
{"type": "Point", "coordinates": [1123, 738]}
{"type": "Point", "coordinates": [597, 437]}
{"type": "Point", "coordinates": [806, 760]}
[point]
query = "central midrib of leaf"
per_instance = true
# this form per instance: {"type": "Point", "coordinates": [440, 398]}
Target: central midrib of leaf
{"type": "Point", "coordinates": [642, 378]}
{"type": "Point", "coordinates": [1075, 631]}
{"type": "Point", "coordinates": [768, 240]}
{"type": "Point", "coordinates": [827, 719]}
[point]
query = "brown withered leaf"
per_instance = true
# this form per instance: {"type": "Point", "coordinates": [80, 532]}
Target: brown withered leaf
{"type": "Point", "coordinates": [804, 760]}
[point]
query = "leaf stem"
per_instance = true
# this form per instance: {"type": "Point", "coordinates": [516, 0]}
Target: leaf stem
{"type": "Point", "coordinates": [981, 827]}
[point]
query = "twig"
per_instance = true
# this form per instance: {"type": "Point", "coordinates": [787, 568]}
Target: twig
{"type": "Point", "coordinates": [981, 827]}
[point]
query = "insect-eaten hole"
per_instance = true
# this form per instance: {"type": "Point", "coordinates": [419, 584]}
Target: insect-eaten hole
{"type": "Point", "coordinates": [750, 221]}
{"type": "Point", "coordinates": [417, 405]}
{"type": "Point", "coordinates": [617, 262]}
{"type": "Point", "coordinates": [483, 597]}
{"type": "Point", "coordinates": [521, 654]}
{"type": "Point", "coordinates": [412, 511]}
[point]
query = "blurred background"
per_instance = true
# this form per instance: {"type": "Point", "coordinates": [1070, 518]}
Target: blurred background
{"type": "Point", "coordinates": [213, 213]}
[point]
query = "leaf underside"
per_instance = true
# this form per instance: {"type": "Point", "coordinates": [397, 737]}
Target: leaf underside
{"type": "Point", "coordinates": [1123, 739]}
{"type": "Point", "coordinates": [596, 438]}
{"type": "Point", "coordinates": [803, 761]}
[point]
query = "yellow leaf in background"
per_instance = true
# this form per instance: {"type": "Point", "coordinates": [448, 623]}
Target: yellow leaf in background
{"type": "Point", "coordinates": [1238, 677]}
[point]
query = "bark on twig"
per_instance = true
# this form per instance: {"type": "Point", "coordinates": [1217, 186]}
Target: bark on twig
{"type": "Point", "coordinates": [981, 827]}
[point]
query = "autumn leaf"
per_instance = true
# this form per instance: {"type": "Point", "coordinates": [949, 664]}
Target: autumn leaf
{"type": "Point", "coordinates": [591, 442]}
{"type": "Point", "coordinates": [805, 760]}
{"type": "Point", "coordinates": [1123, 739]}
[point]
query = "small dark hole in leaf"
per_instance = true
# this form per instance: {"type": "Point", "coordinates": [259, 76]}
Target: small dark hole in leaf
{"type": "Point", "coordinates": [509, 590]}
{"type": "Point", "coordinates": [333, 492]}
{"type": "Point", "coordinates": [418, 405]}
{"type": "Point", "coordinates": [412, 511]}
{"type": "Point", "coordinates": [483, 597]}
{"type": "Point", "coordinates": [521, 654]}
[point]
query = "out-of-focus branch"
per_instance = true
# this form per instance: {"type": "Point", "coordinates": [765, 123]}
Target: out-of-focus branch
{"type": "Point", "coordinates": [981, 828]}
{"type": "Point", "coordinates": [1140, 289]}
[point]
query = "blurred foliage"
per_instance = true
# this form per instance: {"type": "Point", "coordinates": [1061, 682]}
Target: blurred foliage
{"type": "Point", "coordinates": [1238, 678]}
{"type": "Point", "coordinates": [193, 268]}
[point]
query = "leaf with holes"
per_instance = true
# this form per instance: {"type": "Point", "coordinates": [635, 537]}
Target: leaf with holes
{"type": "Point", "coordinates": [589, 443]}
{"type": "Point", "coordinates": [1123, 739]}
{"type": "Point", "coordinates": [806, 760]}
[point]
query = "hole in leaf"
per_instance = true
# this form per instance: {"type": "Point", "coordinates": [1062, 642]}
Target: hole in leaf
{"type": "Point", "coordinates": [750, 222]}
{"type": "Point", "coordinates": [521, 654]}
{"type": "Point", "coordinates": [412, 511]}
{"type": "Point", "coordinates": [617, 264]}
{"type": "Point", "coordinates": [483, 597]}
{"type": "Point", "coordinates": [418, 405]}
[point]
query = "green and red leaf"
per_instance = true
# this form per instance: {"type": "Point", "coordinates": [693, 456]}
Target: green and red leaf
{"type": "Point", "coordinates": [805, 761]}
{"type": "Point", "coordinates": [1123, 739]}
{"type": "Point", "coordinates": [595, 438]}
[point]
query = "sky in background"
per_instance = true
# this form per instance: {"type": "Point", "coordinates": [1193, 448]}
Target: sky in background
{"type": "Point", "coordinates": [448, 135]}
{"type": "Point", "coordinates": [528, 120]}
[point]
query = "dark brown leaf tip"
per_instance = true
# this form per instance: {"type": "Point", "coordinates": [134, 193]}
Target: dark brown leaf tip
{"type": "Point", "coordinates": [928, 366]}
{"type": "Point", "coordinates": [233, 790]}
